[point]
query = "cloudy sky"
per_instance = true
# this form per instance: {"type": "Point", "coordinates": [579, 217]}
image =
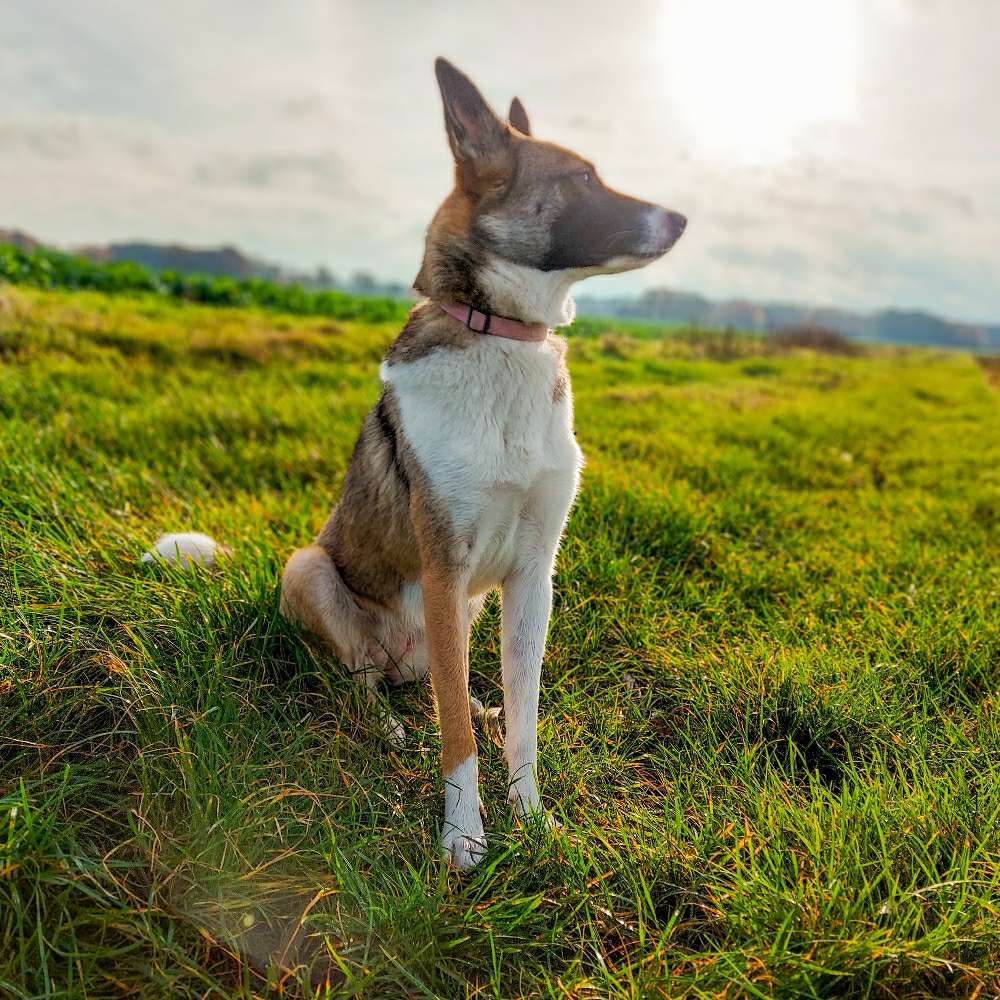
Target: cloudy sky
{"type": "Point", "coordinates": [843, 152]}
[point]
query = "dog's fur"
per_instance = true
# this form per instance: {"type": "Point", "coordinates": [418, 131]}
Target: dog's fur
{"type": "Point", "coordinates": [466, 468]}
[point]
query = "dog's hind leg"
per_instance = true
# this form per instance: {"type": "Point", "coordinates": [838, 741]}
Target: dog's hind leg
{"type": "Point", "coordinates": [315, 597]}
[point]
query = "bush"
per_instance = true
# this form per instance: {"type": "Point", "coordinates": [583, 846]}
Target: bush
{"type": "Point", "coordinates": [816, 338]}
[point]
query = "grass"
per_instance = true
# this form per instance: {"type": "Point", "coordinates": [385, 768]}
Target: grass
{"type": "Point", "coordinates": [769, 718]}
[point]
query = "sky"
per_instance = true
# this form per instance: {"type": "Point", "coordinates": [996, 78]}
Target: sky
{"type": "Point", "coordinates": [843, 153]}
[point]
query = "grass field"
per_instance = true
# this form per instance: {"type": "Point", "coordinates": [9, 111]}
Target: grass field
{"type": "Point", "coordinates": [770, 724]}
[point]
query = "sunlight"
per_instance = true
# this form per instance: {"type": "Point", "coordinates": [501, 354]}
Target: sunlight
{"type": "Point", "coordinates": [752, 76]}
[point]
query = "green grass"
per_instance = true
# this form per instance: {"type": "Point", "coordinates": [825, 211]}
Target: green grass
{"type": "Point", "coordinates": [769, 716]}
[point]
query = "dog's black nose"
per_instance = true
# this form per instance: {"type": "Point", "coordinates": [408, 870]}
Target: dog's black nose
{"type": "Point", "coordinates": [666, 228]}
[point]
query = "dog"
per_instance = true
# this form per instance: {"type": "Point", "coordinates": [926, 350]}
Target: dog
{"type": "Point", "coordinates": [466, 468]}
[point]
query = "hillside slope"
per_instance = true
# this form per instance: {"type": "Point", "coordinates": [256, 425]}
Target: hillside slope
{"type": "Point", "coordinates": [656, 305]}
{"type": "Point", "coordinates": [769, 720]}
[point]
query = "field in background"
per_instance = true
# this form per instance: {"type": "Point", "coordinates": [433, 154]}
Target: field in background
{"type": "Point", "coordinates": [769, 717]}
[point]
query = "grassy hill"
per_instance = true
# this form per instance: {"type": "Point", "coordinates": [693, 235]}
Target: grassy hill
{"type": "Point", "coordinates": [769, 716]}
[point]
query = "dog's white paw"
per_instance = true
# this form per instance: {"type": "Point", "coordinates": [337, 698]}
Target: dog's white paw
{"type": "Point", "coordinates": [464, 849]}
{"type": "Point", "coordinates": [526, 802]}
{"type": "Point", "coordinates": [545, 818]}
{"type": "Point", "coordinates": [391, 728]}
{"type": "Point", "coordinates": [532, 812]}
{"type": "Point", "coordinates": [536, 813]}
{"type": "Point", "coordinates": [462, 837]}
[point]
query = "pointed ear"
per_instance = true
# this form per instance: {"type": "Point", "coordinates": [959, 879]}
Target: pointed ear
{"type": "Point", "coordinates": [518, 117]}
{"type": "Point", "coordinates": [475, 133]}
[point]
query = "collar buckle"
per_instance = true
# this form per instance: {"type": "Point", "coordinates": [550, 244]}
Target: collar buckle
{"type": "Point", "coordinates": [487, 317]}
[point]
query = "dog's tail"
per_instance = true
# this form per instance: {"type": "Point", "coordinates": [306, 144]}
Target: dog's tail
{"type": "Point", "coordinates": [186, 548]}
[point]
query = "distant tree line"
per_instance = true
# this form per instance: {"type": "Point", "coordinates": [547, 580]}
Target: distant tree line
{"type": "Point", "coordinates": [42, 267]}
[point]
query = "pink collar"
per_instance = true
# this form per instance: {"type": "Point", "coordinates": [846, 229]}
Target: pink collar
{"type": "Point", "coordinates": [497, 326]}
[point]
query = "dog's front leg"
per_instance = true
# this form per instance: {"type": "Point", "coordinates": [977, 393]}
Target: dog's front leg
{"type": "Point", "coordinates": [447, 628]}
{"type": "Point", "coordinates": [527, 603]}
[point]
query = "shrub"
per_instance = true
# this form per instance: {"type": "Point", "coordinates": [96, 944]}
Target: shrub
{"type": "Point", "coordinates": [816, 338]}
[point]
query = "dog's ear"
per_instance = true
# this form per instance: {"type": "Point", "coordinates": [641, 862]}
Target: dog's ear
{"type": "Point", "coordinates": [476, 135]}
{"type": "Point", "coordinates": [518, 117]}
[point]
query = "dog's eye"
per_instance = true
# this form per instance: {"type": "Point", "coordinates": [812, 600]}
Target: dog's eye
{"type": "Point", "coordinates": [586, 176]}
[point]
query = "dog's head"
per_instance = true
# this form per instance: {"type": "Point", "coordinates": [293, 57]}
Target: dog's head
{"type": "Point", "coordinates": [527, 218]}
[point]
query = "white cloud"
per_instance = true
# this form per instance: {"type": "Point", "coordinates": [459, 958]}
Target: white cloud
{"type": "Point", "coordinates": [313, 133]}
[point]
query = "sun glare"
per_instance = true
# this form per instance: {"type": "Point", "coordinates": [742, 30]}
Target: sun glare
{"type": "Point", "coordinates": [752, 75]}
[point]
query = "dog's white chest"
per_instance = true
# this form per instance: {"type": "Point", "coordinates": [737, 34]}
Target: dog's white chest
{"type": "Point", "coordinates": [489, 431]}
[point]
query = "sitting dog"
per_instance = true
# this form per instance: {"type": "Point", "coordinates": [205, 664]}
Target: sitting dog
{"type": "Point", "coordinates": [466, 468]}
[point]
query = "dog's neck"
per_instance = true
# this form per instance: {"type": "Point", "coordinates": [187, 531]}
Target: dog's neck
{"type": "Point", "coordinates": [491, 325]}
{"type": "Point", "coordinates": [494, 285]}
{"type": "Point", "coordinates": [527, 294]}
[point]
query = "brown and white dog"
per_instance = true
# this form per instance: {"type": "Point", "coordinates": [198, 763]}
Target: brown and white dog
{"type": "Point", "coordinates": [466, 468]}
